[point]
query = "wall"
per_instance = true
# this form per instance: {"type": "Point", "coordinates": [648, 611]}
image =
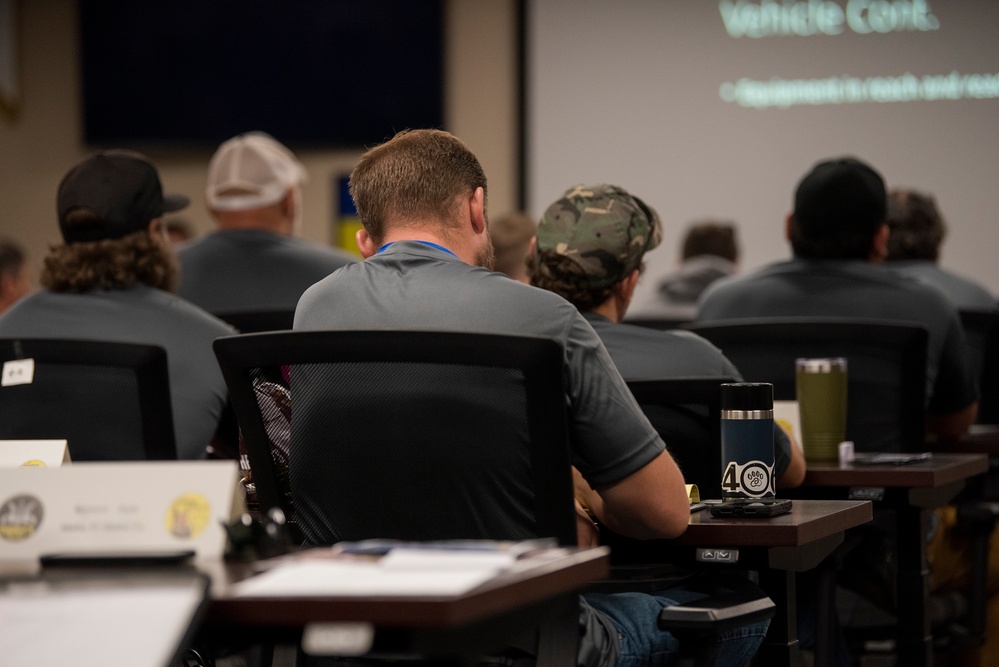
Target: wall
{"type": "Point", "coordinates": [37, 148]}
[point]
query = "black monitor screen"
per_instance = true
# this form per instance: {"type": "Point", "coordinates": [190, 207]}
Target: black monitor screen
{"type": "Point", "coordinates": [336, 73]}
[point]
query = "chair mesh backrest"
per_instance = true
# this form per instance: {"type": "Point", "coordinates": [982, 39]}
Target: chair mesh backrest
{"type": "Point", "coordinates": [110, 401]}
{"type": "Point", "coordinates": [409, 435]}
{"type": "Point", "coordinates": [886, 369]}
{"type": "Point", "coordinates": [686, 412]}
{"type": "Point", "coordinates": [981, 329]}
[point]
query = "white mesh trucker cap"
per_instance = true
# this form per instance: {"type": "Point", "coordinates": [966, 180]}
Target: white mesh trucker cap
{"type": "Point", "coordinates": [251, 171]}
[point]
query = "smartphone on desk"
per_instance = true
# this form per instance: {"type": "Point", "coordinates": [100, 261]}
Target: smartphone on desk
{"type": "Point", "coordinates": [751, 508]}
{"type": "Point", "coordinates": [889, 458]}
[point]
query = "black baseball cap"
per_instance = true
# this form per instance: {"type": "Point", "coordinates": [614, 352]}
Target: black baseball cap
{"type": "Point", "coordinates": [842, 195]}
{"type": "Point", "coordinates": [122, 188]}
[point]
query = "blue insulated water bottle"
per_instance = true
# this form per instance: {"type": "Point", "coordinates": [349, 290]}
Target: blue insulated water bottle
{"type": "Point", "coordinates": [747, 440]}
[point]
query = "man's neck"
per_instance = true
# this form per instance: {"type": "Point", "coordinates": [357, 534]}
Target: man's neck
{"type": "Point", "coordinates": [421, 236]}
{"type": "Point", "coordinates": [610, 310]}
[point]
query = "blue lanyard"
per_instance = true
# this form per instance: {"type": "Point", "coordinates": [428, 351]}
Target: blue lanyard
{"type": "Point", "coordinates": [432, 245]}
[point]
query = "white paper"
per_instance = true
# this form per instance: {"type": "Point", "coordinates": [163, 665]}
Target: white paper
{"type": "Point", "coordinates": [786, 414]}
{"type": "Point", "coordinates": [141, 626]}
{"type": "Point", "coordinates": [33, 453]}
{"type": "Point", "coordinates": [346, 578]}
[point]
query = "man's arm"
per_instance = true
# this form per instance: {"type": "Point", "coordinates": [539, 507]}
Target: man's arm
{"type": "Point", "coordinates": [951, 425]}
{"type": "Point", "coordinates": [794, 474]}
{"type": "Point", "coordinates": [649, 503]}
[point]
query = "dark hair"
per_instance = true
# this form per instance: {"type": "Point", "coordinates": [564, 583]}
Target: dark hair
{"type": "Point", "coordinates": [838, 208]}
{"type": "Point", "coordinates": [710, 237]}
{"type": "Point", "coordinates": [12, 257]}
{"type": "Point", "coordinates": [917, 228]}
{"type": "Point", "coordinates": [416, 176]}
{"type": "Point", "coordinates": [110, 264]}
{"type": "Point", "coordinates": [561, 275]}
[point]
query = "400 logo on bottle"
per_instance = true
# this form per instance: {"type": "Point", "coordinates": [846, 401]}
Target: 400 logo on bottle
{"type": "Point", "coordinates": [753, 479]}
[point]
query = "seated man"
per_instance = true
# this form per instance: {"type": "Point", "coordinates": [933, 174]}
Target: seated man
{"type": "Point", "coordinates": [421, 197]}
{"type": "Point", "coordinates": [839, 235]}
{"type": "Point", "coordinates": [112, 279]}
{"type": "Point", "coordinates": [14, 280]}
{"type": "Point", "coordinates": [917, 233]}
{"type": "Point", "coordinates": [254, 261]}
{"type": "Point", "coordinates": [511, 235]}
{"type": "Point", "coordinates": [587, 252]}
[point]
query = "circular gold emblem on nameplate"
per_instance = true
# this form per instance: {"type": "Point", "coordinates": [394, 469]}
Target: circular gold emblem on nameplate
{"type": "Point", "coordinates": [34, 463]}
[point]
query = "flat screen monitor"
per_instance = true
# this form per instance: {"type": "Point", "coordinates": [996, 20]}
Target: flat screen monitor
{"type": "Point", "coordinates": [323, 73]}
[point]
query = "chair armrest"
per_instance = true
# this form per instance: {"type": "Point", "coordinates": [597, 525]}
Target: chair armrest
{"type": "Point", "coordinates": [717, 613]}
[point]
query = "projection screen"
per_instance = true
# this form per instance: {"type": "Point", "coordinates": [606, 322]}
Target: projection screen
{"type": "Point", "coordinates": [708, 108]}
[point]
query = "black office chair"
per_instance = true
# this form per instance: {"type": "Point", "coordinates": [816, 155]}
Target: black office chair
{"type": "Point", "coordinates": [413, 435]}
{"type": "Point", "coordinates": [886, 369]}
{"type": "Point", "coordinates": [686, 412]}
{"type": "Point", "coordinates": [110, 401]}
{"type": "Point", "coordinates": [255, 321]}
{"type": "Point", "coordinates": [660, 323]}
{"type": "Point", "coordinates": [981, 329]}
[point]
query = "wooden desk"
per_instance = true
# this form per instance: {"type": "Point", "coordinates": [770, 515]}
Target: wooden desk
{"type": "Point", "coordinates": [457, 627]}
{"type": "Point", "coordinates": [777, 547]}
{"type": "Point", "coordinates": [911, 490]}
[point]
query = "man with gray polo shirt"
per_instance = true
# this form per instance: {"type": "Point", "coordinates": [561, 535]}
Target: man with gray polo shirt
{"type": "Point", "coordinates": [421, 197]}
{"type": "Point", "coordinates": [112, 279]}
{"type": "Point", "coordinates": [254, 261]}
{"type": "Point", "coordinates": [589, 249]}
{"type": "Point", "coordinates": [839, 236]}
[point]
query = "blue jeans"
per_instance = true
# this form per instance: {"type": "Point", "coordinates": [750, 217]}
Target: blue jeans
{"type": "Point", "coordinates": [642, 644]}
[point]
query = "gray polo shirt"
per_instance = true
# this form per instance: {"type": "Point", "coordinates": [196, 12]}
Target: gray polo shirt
{"type": "Point", "coordinates": [641, 353]}
{"type": "Point", "coordinates": [141, 315]}
{"type": "Point", "coordinates": [242, 270]}
{"type": "Point", "coordinates": [964, 294]}
{"type": "Point", "coordinates": [410, 285]}
{"type": "Point", "coordinates": [854, 288]}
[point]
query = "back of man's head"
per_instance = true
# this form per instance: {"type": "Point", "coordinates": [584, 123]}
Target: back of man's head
{"type": "Point", "coordinates": [917, 228]}
{"type": "Point", "coordinates": [511, 235]}
{"type": "Point", "coordinates": [106, 205]}
{"type": "Point", "coordinates": [251, 171]}
{"type": "Point", "coordinates": [710, 237]}
{"type": "Point", "coordinates": [12, 257]}
{"type": "Point", "coordinates": [590, 240]}
{"type": "Point", "coordinates": [110, 195]}
{"type": "Point", "coordinates": [415, 178]}
{"type": "Point", "coordinates": [839, 206]}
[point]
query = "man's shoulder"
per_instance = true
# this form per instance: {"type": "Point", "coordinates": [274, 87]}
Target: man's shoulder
{"type": "Point", "coordinates": [183, 314]}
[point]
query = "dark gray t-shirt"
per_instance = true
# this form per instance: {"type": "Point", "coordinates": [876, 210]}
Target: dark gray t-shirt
{"type": "Point", "coordinates": [853, 288]}
{"type": "Point", "coordinates": [141, 315]}
{"type": "Point", "coordinates": [964, 294]}
{"type": "Point", "coordinates": [641, 353]}
{"type": "Point", "coordinates": [241, 270]}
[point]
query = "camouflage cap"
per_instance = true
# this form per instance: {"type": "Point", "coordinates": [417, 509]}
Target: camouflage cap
{"type": "Point", "coordinates": [603, 229]}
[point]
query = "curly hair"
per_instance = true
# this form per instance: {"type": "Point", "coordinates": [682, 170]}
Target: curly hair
{"type": "Point", "coordinates": [559, 274]}
{"type": "Point", "coordinates": [110, 264]}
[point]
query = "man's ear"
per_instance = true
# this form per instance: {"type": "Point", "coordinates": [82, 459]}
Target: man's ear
{"type": "Point", "coordinates": [788, 226]}
{"type": "Point", "coordinates": [364, 243]}
{"type": "Point", "coordinates": [879, 246]}
{"type": "Point", "coordinates": [477, 210]}
{"type": "Point", "coordinates": [156, 230]}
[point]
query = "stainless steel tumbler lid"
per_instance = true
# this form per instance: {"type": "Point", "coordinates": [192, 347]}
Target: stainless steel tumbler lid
{"type": "Point", "coordinates": [820, 365]}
